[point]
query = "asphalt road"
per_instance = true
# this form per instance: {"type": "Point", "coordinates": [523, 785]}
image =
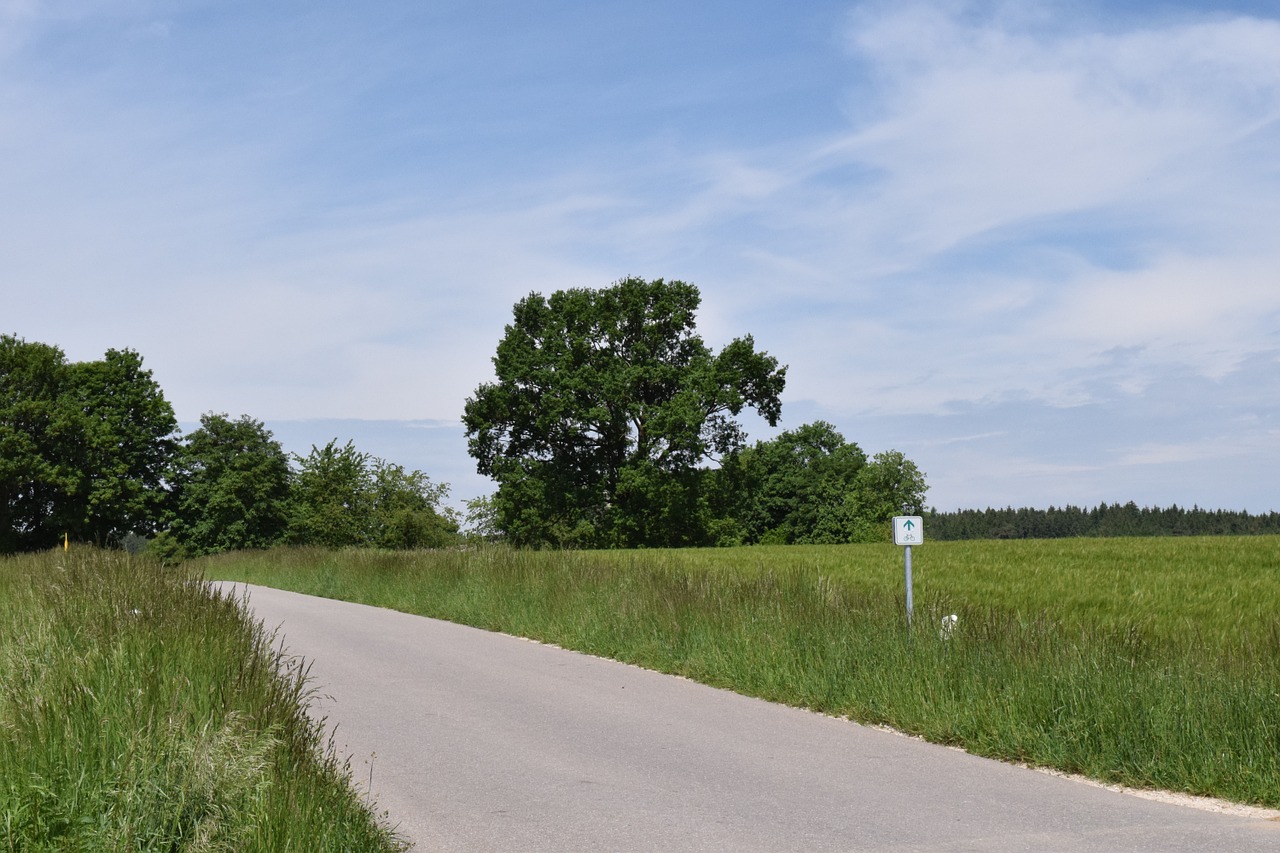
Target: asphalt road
{"type": "Point", "coordinates": [484, 742]}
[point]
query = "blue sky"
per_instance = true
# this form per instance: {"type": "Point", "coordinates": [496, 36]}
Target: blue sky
{"type": "Point", "coordinates": [1034, 246]}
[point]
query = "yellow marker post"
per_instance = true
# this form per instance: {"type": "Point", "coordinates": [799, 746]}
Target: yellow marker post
{"type": "Point", "coordinates": [66, 541]}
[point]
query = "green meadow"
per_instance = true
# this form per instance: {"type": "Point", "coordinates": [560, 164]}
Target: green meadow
{"type": "Point", "coordinates": [139, 710]}
{"type": "Point", "coordinates": [1145, 662]}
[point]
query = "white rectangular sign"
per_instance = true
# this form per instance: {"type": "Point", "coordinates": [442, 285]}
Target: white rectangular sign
{"type": "Point", "coordinates": [908, 530]}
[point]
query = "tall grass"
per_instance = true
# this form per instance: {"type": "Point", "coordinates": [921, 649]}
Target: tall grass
{"type": "Point", "coordinates": [1140, 666]}
{"type": "Point", "coordinates": [139, 710]}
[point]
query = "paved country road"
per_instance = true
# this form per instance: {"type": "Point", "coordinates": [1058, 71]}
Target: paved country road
{"type": "Point", "coordinates": [487, 742]}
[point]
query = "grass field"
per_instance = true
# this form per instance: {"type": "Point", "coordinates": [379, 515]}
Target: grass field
{"type": "Point", "coordinates": [140, 711]}
{"type": "Point", "coordinates": [1147, 662]}
{"type": "Point", "coordinates": [1223, 591]}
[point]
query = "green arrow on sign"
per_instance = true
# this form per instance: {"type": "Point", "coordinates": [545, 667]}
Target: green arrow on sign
{"type": "Point", "coordinates": [909, 524]}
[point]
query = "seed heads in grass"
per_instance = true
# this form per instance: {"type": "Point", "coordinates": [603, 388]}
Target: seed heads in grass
{"type": "Point", "coordinates": [139, 711]}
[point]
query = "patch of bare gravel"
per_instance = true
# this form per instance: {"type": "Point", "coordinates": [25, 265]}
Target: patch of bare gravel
{"type": "Point", "coordinates": [1208, 804]}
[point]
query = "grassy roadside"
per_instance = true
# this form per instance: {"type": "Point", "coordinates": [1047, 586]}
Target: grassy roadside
{"type": "Point", "coordinates": [1135, 662]}
{"type": "Point", "coordinates": [140, 711]}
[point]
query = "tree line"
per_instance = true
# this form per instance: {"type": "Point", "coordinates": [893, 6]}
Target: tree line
{"type": "Point", "coordinates": [1103, 520]}
{"type": "Point", "coordinates": [91, 451]}
{"type": "Point", "coordinates": [610, 424]}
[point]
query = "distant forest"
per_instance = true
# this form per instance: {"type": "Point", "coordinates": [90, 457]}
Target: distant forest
{"type": "Point", "coordinates": [1103, 520]}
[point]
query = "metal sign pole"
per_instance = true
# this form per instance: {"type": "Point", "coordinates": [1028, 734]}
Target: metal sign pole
{"type": "Point", "coordinates": [908, 530]}
{"type": "Point", "coordinates": [906, 551]}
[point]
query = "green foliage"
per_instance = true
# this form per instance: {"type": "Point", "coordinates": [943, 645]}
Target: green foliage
{"type": "Point", "coordinates": [37, 433]}
{"type": "Point", "coordinates": [343, 497]}
{"type": "Point", "coordinates": [810, 486]}
{"type": "Point", "coordinates": [605, 405]}
{"type": "Point", "coordinates": [408, 509]}
{"type": "Point", "coordinates": [89, 450]}
{"type": "Point", "coordinates": [794, 488]}
{"type": "Point", "coordinates": [332, 498]}
{"type": "Point", "coordinates": [233, 487]}
{"type": "Point", "coordinates": [141, 711]}
{"type": "Point", "coordinates": [229, 487]}
{"type": "Point", "coordinates": [890, 484]}
{"type": "Point", "coordinates": [481, 520]}
{"type": "Point", "coordinates": [83, 446]}
{"type": "Point", "coordinates": [128, 429]}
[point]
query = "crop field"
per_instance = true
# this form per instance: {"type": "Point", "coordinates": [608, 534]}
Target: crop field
{"type": "Point", "coordinates": [141, 711]}
{"type": "Point", "coordinates": [1223, 591]}
{"type": "Point", "coordinates": [1145, 662]}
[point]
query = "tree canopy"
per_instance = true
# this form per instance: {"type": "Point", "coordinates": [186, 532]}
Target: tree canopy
{"type": "Point", "coordinates": [606, 404]}
{"type": "Point", "coordinates": [91, 450]}
{"type": "Point", "coordinates": [792, 489]}
{"type": "Point", "coordinates": [811, 486]}
{"type": "Point", "coordinates": [37, 433]}
{"type": "Point", "coordinates": [342, 497]}
{"type": "Point", "coordinates": [610, 423]}
{"type": "Point", "coordinates": [83, 446]}
{"type": "Point", "coordinates": [230, 483]}
{"type": "Point", "coordinates": [129, 438]}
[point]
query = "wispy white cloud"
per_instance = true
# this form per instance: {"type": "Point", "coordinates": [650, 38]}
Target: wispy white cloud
{"type": "Point", "coordinates": [992, 144]}
{"type": "Point", "coordinates": [1002, 209]}
{"type": "Point", "coordinates": [1020, 199]}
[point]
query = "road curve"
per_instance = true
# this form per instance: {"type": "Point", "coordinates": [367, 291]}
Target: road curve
{"type": "Point", "coordinates": [482, 742]}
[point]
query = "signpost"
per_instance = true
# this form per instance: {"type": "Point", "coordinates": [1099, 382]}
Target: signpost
{"type": "Point", "coordinates": [908, 530]}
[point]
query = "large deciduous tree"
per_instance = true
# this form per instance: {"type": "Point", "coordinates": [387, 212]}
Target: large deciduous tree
{"type": "Point", "coordinates": [605, 407]}
{"type": "Point", "coordinates": [83, 446]}
{"type": "Point", "coordinates": [38, 432]}
{"type": "Point", "coordinates": [128, 443]}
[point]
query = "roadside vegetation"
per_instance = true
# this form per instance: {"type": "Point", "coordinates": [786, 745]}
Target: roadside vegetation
{"type": "Point", "coordinates": [1145, 662]}
{"type": "Point", "coordinates": [140, 710]}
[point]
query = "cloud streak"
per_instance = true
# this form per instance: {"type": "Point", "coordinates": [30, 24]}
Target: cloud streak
{"type": "Point", "coordinates": [965, 226]}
